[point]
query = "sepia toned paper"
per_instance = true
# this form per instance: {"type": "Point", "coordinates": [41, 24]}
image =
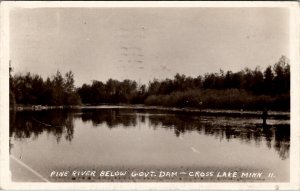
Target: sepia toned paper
{"type": "Point", "coordinates": [150, 95]}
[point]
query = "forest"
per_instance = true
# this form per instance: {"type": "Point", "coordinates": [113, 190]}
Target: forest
{"type": "Point", "coordinates": [248, 89]}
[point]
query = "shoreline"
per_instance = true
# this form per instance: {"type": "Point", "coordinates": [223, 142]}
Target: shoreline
{"type": "Point", "coordinates": [185, 110]}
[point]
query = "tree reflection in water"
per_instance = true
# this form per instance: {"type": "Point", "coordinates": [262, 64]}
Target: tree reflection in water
{"type": "Point", "coordinates": [60, 123]}
{"type": "Point", "coordinates": [30, 124]}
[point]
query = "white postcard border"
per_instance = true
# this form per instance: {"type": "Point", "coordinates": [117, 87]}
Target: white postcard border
{"type": "Point", "coordinates": [294, 184]}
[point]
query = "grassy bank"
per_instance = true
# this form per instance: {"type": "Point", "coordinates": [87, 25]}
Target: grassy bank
{"type": "Point", "coordinates": [220, 99]}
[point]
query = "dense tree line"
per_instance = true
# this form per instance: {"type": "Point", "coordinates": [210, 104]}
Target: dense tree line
{"type": "Point", "coordinates": [273, 81]}
{"type": "Point", "coordinates": [32, 89]}
{"type": "Point", "coordinates": [113, 92]}
{"type": "Point", "coordinates": [248, 89]}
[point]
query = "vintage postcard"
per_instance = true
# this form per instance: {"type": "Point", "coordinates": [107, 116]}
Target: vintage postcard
{"type": "Point", "coordinates": [150, 95]}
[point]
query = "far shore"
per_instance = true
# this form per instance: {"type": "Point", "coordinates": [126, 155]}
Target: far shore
{"type": "Point", "coordinates": [140, 107]}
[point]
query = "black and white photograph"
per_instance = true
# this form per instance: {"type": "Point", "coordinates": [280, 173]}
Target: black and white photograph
{"type": "Point", "coordinates": [149, 93]}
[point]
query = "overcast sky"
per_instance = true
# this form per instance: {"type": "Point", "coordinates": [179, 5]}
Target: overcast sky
{"type": "Point", "coordinates": [145, 43]}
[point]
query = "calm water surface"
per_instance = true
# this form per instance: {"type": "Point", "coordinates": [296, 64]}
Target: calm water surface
{"type": "Point", "coordinates": [127, 138]}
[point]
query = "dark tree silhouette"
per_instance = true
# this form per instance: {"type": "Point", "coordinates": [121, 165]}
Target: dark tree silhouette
{"type": "Point", "coordinates": [246, 89]}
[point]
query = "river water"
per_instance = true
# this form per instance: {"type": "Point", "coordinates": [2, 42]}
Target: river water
{"type": "Point", "coordinates": [120, 139]}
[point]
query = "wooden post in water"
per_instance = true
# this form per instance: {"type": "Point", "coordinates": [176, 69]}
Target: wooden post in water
{"type": "Point", "coordinates": [265, 116]}
{"type": "Point", "coordinates": [200, 106]}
